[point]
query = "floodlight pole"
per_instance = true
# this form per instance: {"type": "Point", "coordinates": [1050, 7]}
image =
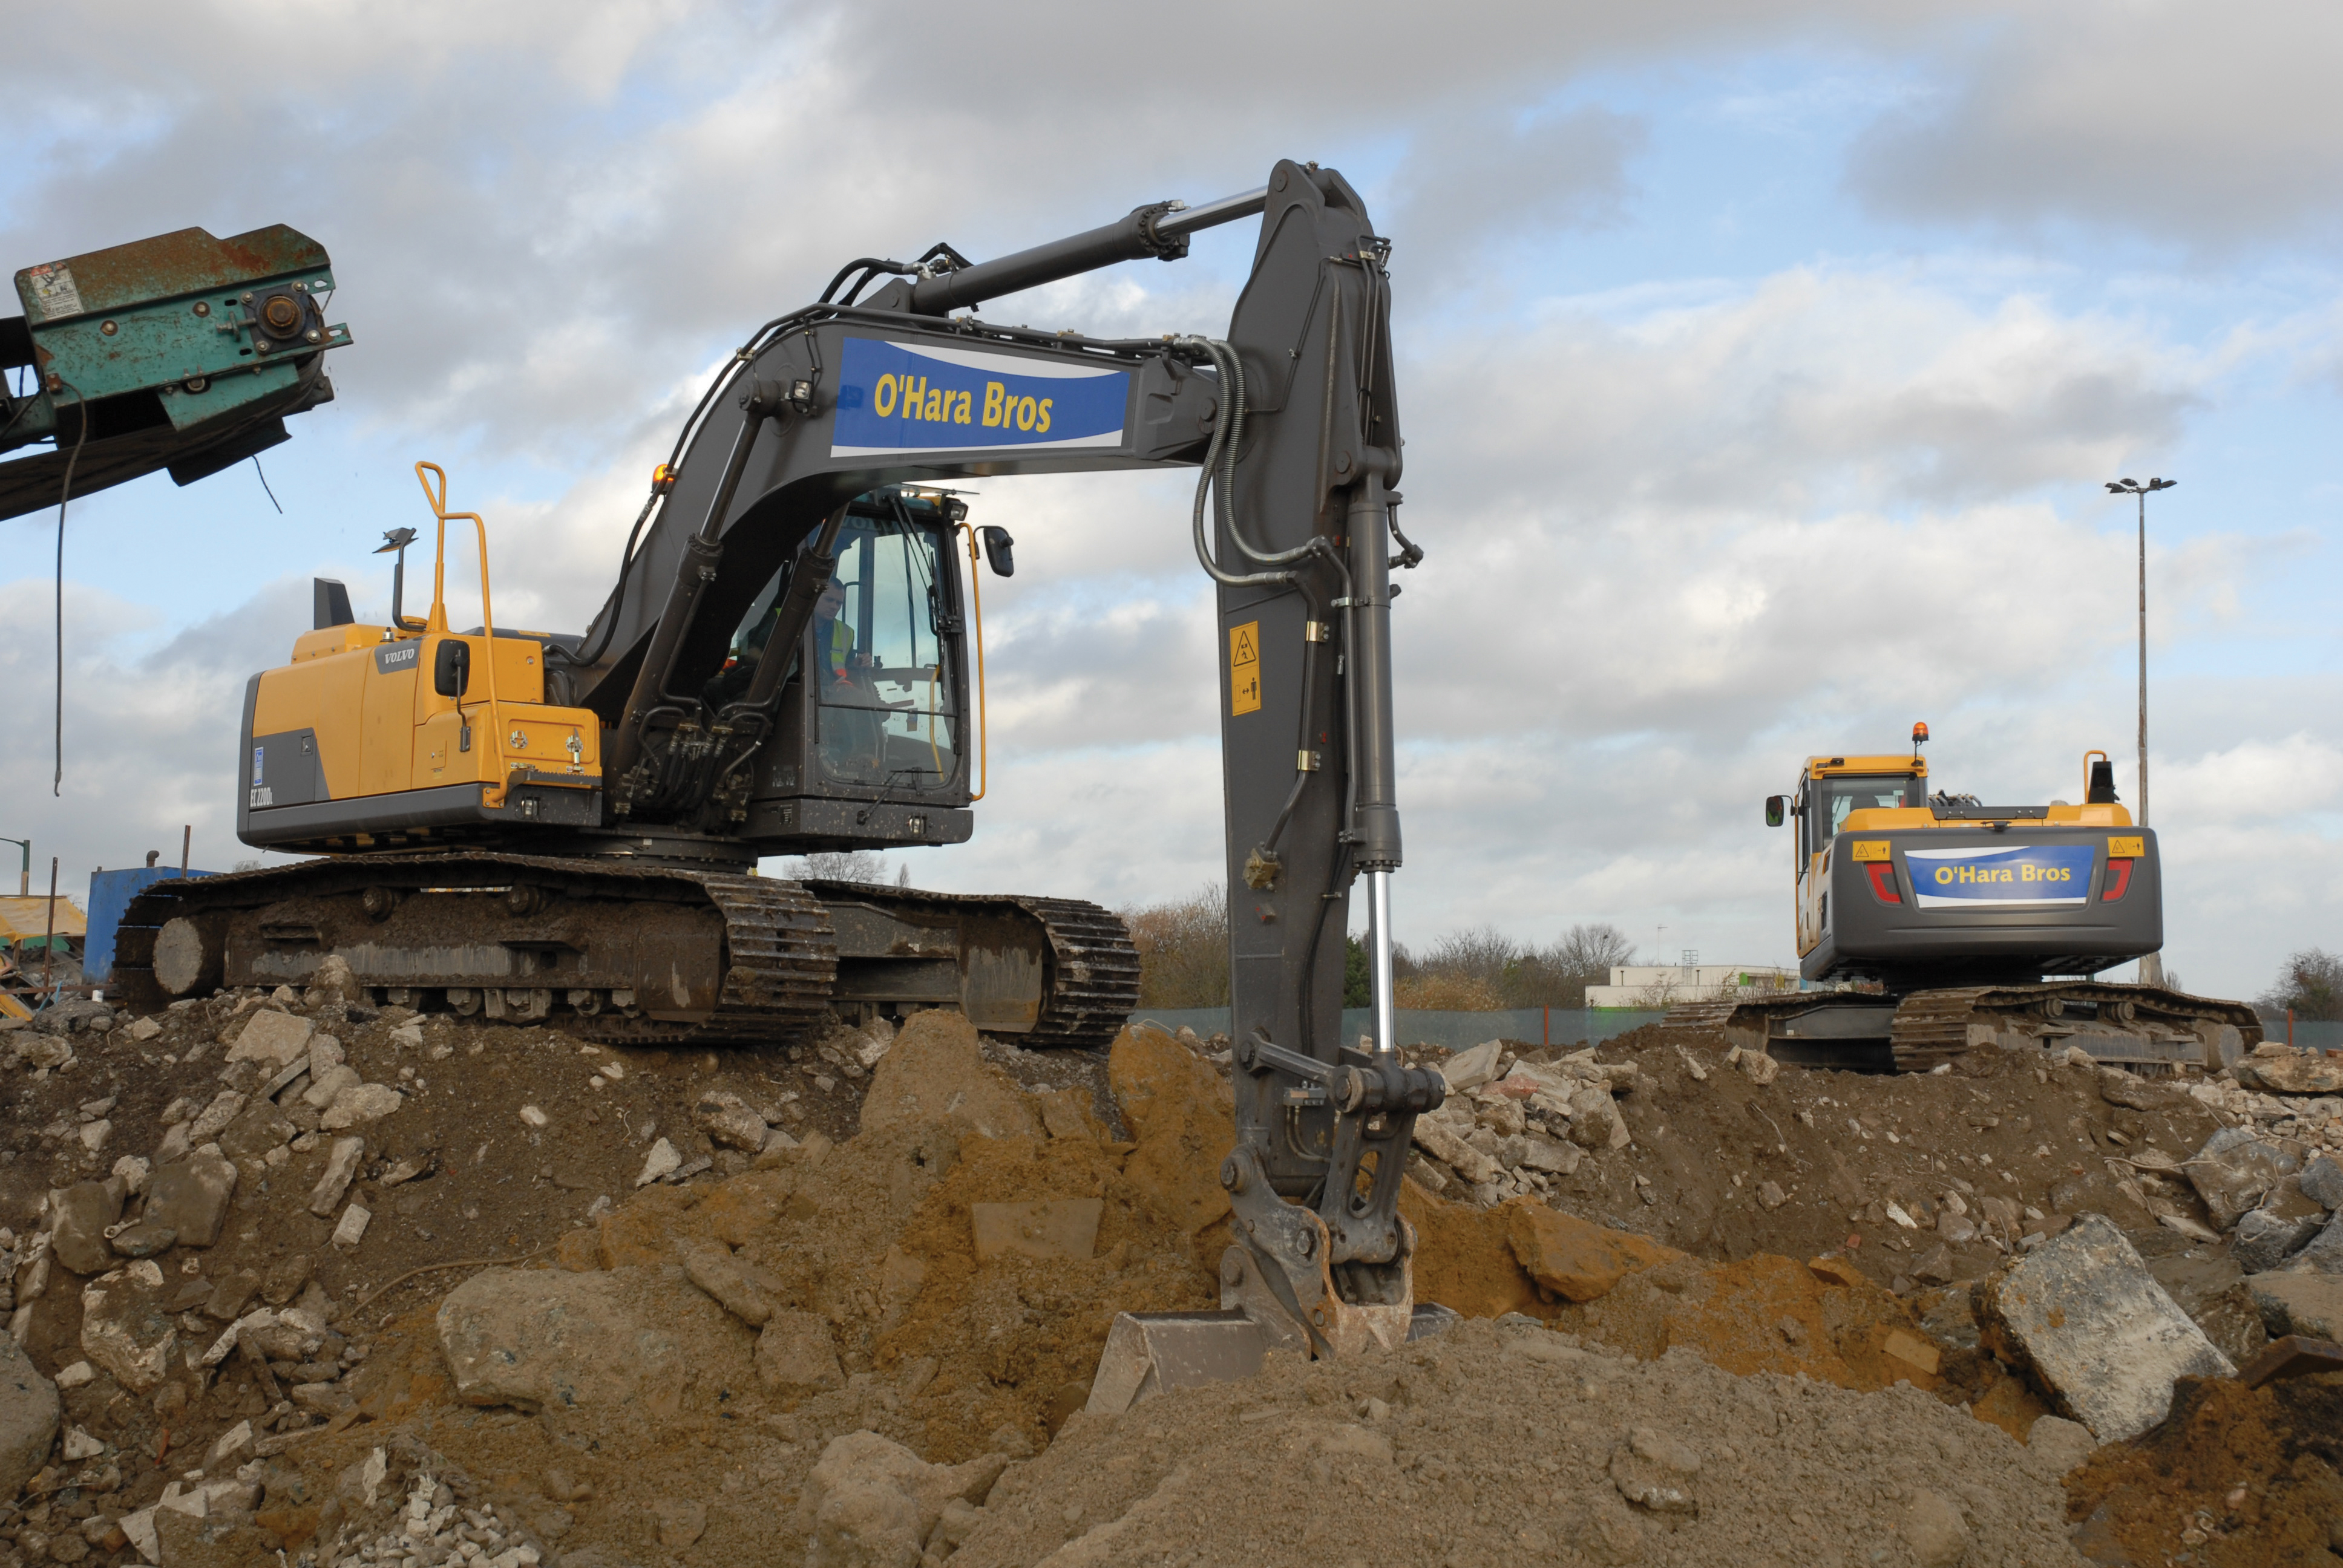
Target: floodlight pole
{"type": "Point", "coordinates": [24, 877]}
{"type": "Point", "coordinates": [2151, 967]}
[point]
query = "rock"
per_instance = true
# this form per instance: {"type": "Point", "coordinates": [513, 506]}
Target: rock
{"type": "Point", "coordinates": [325, 1086]}
{"type": "Point", "coordinates": [1045, 1228]}
{"type": "Point", "coordinates": [29, 1414]}
{"type": "Point", "coordinates": [174, 1147]}
{"type": "Point", "coordinates": [1770, 1195]}
{"type": "Point", "coordinates": [2100, 1336]}
{"type": "Point", "coordinates": [1655, 1471]}
{"type": "Point", "coordinates": [872, 1502]}
{"type": "Point", "coordinates": [2299, 1303]}
{"type": "Point", "coordinates": [1595, 1121]}
{"type": "Point", "coordinates": [359, 1104]}
{"type": "Point", "coordinates": [1760, 1068]}
{"type": "Point", "coordinates": [795, 1353]}
{"type": "Point", "coordinates": [1934, 1529]}
{"type": "Point", "coordinates": [126, 1326]}
{"type": "Point", "coordinates": [1436, 1138]}
{"type": "Point", "coordinates": [681, 1522]}
{"type": "Point", "coordinates": [341, 1164]}
{"type": "Point", "coordinates": [1959, 1230]}
{"type": "Point", "coordinates": [327, 1399]}
{"type": "Point", "coordinates": [1539, 1152]}
{"type": "Point", "coordinates": [74, 1376]}
{"type": "Point", "coordinates": [1471, 1068]}
{"type": "Point", "coordinates": [662, 1161]}
{"type": "Point", "coordinates": [2263, 1240]}
{"type": "Point", "coordinates": [1573, 1258]}
{"type": "Point", "coordinates": [2233, 1171]}
{"type": "Point", "coordinates": [1180, 1114]}
{"type": "Point", "coordinates": [36, 1050]}
{"type": "Point", "coordinates": [132, 1172]}
{"type": "Point", "coordinates": [259, 1129]}
{"type": "Point", "coordinates": [144, 1029]}
{"type": "Point", "coordinates": [730, 1122]}
{"type": "Point", "coordinates": [547, 1339]}
{"type": "Point", "coordinates": [236, 1440]}
{"type": "Point", "coordinates": [2059, 1444]}
{"type": "Point", "coordinates": [231, 1293]}
{"type": "Point", "coordinates": [711, 1266]}
{"type": "Point", "coordinates": [2322, 1182]}
{"type": "Point", "coordinates": [331, 980]}
{"type": "Point", "coordinates": [352, 1229]}
{"type": "Point", "coordinates": [191, 1198]}
{"type": "Point", "coordinates": [271, 1038]}
{"type": "Point", "coordinates": [284, 1279]}
{"type": "Point", "coordinates": [93, 1134]}
{"type": "Point", "coordinates": [224, 1108]}
{"type": "Point", "coordinates": [1938, 1266]}
{"type": "Point", "coordinates": [2278, 1068]}
{"type": "Point", "coordinates": [80, 1216]}
{"type": "Point", "coordinates": [144, 1240]}
{"type": "Point", "coordinates": [934, 1072]}
{"type": "Point", "coordinates": [2132, 1092]}
{"type": "Point", "coordinates": [2324, 1252]}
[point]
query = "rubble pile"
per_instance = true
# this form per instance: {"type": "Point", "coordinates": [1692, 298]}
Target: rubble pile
{"type": "Point", "coordinates": [292, 1273]}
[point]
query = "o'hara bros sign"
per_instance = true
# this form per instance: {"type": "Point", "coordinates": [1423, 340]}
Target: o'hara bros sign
{"type": "Point", "coordinates": [2035, 874]}
{"type": "Point", "coordinates": [893, 398]}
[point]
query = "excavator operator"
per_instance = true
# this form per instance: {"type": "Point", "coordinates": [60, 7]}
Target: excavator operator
{"type": "Point", "coordinates": [851, 733]}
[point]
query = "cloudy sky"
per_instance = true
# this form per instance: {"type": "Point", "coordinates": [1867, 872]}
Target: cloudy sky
{"type": "Point", "coordinates": [1761, 362]}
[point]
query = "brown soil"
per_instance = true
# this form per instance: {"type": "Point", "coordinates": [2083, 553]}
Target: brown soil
{"type": "Point", "coordinates": [2235, 1478]}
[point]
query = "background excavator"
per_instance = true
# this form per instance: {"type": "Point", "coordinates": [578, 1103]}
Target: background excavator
{"type": "Point", "coordinates": [529, 824]}
{"type": "Point", "coordinates": [1936, 925]}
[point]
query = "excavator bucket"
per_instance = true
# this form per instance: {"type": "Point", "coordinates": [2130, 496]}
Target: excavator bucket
{"type": "Point", "coordinates": [1149, 1353]}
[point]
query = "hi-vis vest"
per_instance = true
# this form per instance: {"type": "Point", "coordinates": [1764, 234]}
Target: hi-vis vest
{"type": "Point", "coordinates": [840, 650]}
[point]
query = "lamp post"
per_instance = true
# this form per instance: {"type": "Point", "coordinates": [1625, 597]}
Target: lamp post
{"type": "Point", "coordinates": [24, 877]}
{"type": "Point", "coordinates": [2151, 968]}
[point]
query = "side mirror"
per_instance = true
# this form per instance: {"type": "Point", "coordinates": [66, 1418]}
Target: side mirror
{"type": "Point", "coordinates": [451, 667]}
{"type": "Point", "coordinates": [1774, 807]}
{"type": "Point", "coordinates": [999, 551]}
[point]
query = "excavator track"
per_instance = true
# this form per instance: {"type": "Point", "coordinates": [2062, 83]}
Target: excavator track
{"type": "Point", "coordinates": [629, 954]}
{"type": "Point", "coordinates": [2121, 1025]}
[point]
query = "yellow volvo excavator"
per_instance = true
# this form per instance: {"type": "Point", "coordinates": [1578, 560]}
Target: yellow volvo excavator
{"type": "Point", "coordinates": [1933, 924]}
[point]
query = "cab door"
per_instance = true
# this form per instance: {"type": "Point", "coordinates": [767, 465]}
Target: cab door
{"type": "Point", "coordinates": [1812, 879]}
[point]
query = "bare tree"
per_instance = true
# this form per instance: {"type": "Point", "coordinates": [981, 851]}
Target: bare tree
{"type": "Point", "coordinates": [840, 866]}
{"type": "Point", "coordinates": [2311, 987]}
{"type": "Point", "coordinates": [1183, 950]}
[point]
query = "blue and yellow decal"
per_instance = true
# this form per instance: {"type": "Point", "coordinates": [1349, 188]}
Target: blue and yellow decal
{"type": "Point", "coordinates": [2036, 874]}
{"type": "Point", "coordinates": [895, 398]}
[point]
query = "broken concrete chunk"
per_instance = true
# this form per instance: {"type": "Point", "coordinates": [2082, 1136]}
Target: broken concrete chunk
{"type": "Point", "coordinates": [2324, 1253]}
{"type": "Point", "coordinates": [126, 1326]}
{"type": "Point", "coordinates": [231, 1294]}
{"type": "Point", "coordinates": [29, 1414]}
{"type": "Point", "coordinates": [1438, 1140]}
{"type": "Point", "coordinates": [1596, 1122]}
{"type": "Point", "coordinates": [2100, 1336]}
{"type": "Point", "coordinates": [2130, 1090]}
{"type": "Point", "coordinates": [2233, 1171]}
{"type": "Point", "coordinates": [1471, 1068]}
{"type": "Point", "coordinates": [261, 1127]}
{"type": "Point", "coordinates": [341, 1164]}
{"type": "Point", "coordinates": [353, 1228]}
{"type": "Point", "coordinates": [662, 1161]}
{"type": "Point", "coordinates": [549, 1339]}
{"type": "Point", "coordinates": [2299, 1303]}
{"type": "Point", "coordinates": [191, 1198]}
{"type": "Point", "coordinates": [795, 1354]}
{"type": "Point", "coordinates": [325, 1086]}
{"type": "Point", "coordinates": [272, 1038]}
{"type": "Point", "coordinates": [1047, 1228]}
{"type": "Point", "coordinates": [2263, 1240]}
{"type": "Point", "coordinates": [730, 1122]}
{"type": "Point", "coordinates": [144, 1029]}
{"type": "Point", "coordinates": [2322, 1182]}
{"type": "Point", "coordinates": [80, 1216]}
{"type": "Point", "coordinates": [144, 1240]}
{"type": "Point", "coordinates": [871, 1500]}
{"type": "Point", "coordinates": [224, 1108]}
{"type": "Point", "coordinates": [358, 1104]}
{"type": "Point", "coordinates": [2278, 1068]}
{"type": "Point", "coordinates": [332, 981]}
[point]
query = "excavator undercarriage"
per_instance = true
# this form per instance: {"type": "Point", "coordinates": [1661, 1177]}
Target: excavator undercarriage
{"type": "Point", "coordinates": [638, 954]}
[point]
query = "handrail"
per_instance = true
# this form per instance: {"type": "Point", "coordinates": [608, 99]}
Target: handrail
{"type": "Point", "coordinates": [976, 590]}
{"type": "Point", "coordinates": [437, 620]}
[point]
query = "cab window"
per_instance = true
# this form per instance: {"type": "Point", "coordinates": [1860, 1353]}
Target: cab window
{"type": "Point", "coordinates": [1830, 800]}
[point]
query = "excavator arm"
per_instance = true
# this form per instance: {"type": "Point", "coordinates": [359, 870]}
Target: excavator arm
{"type": "Point", "coordinates": [1293, 420]}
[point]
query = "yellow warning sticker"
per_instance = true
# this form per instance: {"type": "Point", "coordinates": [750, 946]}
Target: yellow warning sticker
{"type": "Point", "coordinates": [1871, 850]}
{"type": "Point", "coordinates": [1244, 669]}
{"type": "Point", "coordinates": [2128, 848]}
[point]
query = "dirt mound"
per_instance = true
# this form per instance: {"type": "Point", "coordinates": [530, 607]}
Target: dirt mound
{"type": "Point", "coordinates": [2235, 1478]}
{"type": "Point", "coordinates": [1492, 1444]}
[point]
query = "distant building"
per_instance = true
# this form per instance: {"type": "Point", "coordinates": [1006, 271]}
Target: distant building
{"type": "Point", "coordinates": [1648, 986]}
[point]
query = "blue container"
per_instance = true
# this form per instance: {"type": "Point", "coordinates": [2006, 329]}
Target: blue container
{"type": "Point", "coordinates": [110, 893]}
